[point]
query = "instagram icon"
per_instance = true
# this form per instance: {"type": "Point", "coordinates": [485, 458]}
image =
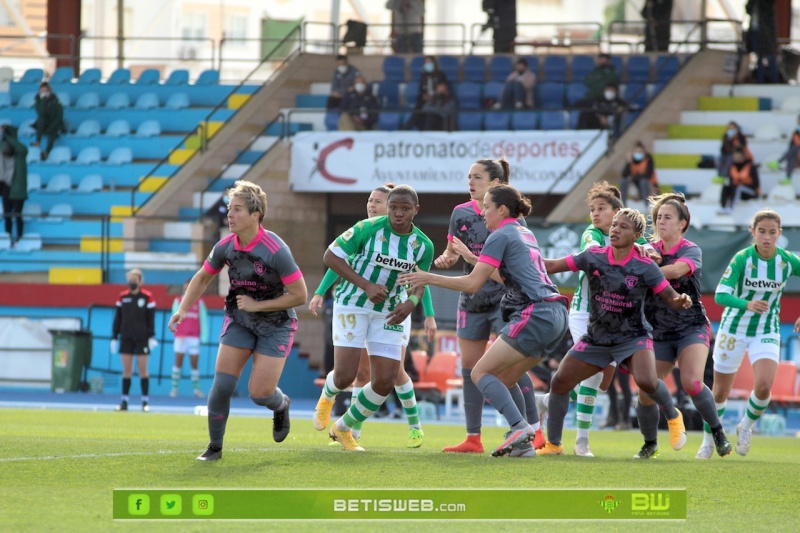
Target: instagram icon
{"type": "Point", "coordinates": [203, 504]}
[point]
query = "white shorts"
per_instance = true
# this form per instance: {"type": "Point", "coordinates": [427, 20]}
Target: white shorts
{"type": "Point", "coordinates": [729, 350]}
{"type": "Point", "coordinates": [354, 327]}
{"type": "Point", "coordinates": [190, 345]}
{"type": "Point", "coordinates": [578, 325]}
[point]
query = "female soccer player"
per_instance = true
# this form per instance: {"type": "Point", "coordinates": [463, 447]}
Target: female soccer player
{"type": "Point", "coordinates": [189, 336]}
{"type": "Point", "coordinates": [403, 387]}
{"type": "Point", "coordinates": [619, 278]}
{"type": "Point", "coordinates": [680, 337]}
{"type": "Point", "coordinates": [536, 312]}
{"type": "Point", "coordinates": [371, 308]}
{"type": "Point", "coordinates": [751, 290]}
{"type": "Point", "coordinates": [265, 285]}
{"type": "Point", "coordinates": [479, 312]}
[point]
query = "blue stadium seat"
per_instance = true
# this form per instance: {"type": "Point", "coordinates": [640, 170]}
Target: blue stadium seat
{"type": "Point", "coordinates": [208, 77]}
{"type": "Point", "coordinates": [581, 66]}
{"type": "Point", "coordinates": [178, 77]}
{"type": "Point", "coordinates": [655, 89]}
{"type": "Point", "coordinates": [410, 93]}
{"type": "Point", "coordinates": [88, 128]}
{"type": "Point", "coordinates": [88, 156]}
{"type": "Point", "coordinates": [468, 95]}
{"type": "Point", "coordinates": [88, 101]}
{"type": "Point", "coordinates": [58, 183]}
{"type": "Point", "coordinates": [120, 76]}
{"type": "Point", "coordinates": [59, 155]}
{"type": "Point", "coordinates": [32, 75]}
{"type": "Point", "coordinates": [34, 155]}
{"type": "Point", "coordinates": [666, 67]}
{"type": "Point", "coordinates": [119, 128]}
{"type": "Point", "coordinates": [147, 101]}
{"type": "Point", "coordinates": [120, 156]}
{"type": "Point", "coordinates": [551, 120]}
{"type": "Point", "coordinates": [555, 68]}
{"type": "Point", "coordinates": [449, 65]}
{"type": "Point", "coordinates": [59, 212]}
{"type": "Point", "coordinates": [332, 120]}
{"type": "Point", "coordinates": [394, 68]}
{"type": "Point", "coordinates": [389, 120]}
{"type": "Point", "coordinates": [470, 121]}
{"type": "Point", "coordinates": [638, 69]}
{"type": "Point", "coordinates": [415, 68]}
{"type": "Point", "coordinates": [551, 95]}
{"type": "Point", "coordinates": [523, 120]}
{"type": "Point", "coordinates": [91, 183]}
{"type": "Point", "coordinates": [148, 76]}
{"type": "Point", "coordinates": [576, 91]}
{"type": "Point", "coordinates": [177, 101]}
{"type": "Point", "coordinates": [90, 76]}
{"type": "Point", "coordinates": [500, 67]}
{"type": "Point", "coordinates": [62, 75]}
{"type": "Point", "coordinates": [388, 94]}
{"type": "Point", "coordinates": [118, 100]}
{"type": "Point", "coordinates": [617, 62]}
{"type": "Point", "coordinates": [493, 90]}
{"type": "Point", "coordinates": [635, 93]}
{"type": "Point", "coordinates": [149, 128]}
{"type": "Point", "coordinates": [27, 100]}
{"type": "Point", "coordinates": [497, 120]}
{"type": "Point", "coordinates": [474, 69]}
{"type": "Point", "coordinates": [629, 118]}
{"type": "Point", "coordinates": [64, 98]}
{"type": "Point", "coordinates": [572, 121]}
{"type": "Point", "coordinates": [34, 182]}
{"type": "Point", "coordinates": [533, 65]}
{"type": "Point", "coordinates": [5, 100]}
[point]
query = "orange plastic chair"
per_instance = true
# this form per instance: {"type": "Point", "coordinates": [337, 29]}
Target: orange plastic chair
{"type": "Point", "coordinates": [785, 384]}
{"type": "Point", "coordinates": [420, 359]}
{"type": "Point", "coordinates": [441, 369]}
{"type": "Point", "coordinates": [743, 383]}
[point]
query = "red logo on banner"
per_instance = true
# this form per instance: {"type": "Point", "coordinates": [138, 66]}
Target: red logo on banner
{"type": "Point", "coordinates": [323, 155]}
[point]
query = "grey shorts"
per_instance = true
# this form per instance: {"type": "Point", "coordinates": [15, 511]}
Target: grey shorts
{"type": "Point", "coordinates": [669, 350]}
{"type": "Point", "coordinates": [277, 343]}
{"type": "Point", "coordinates": [538, 329]}
{"type": "Point", "coordinates": [479, 326]}
{"type": "Point", "coordinates": [602, 356]}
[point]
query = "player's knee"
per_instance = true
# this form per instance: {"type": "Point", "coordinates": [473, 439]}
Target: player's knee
{"type": "Point", "coordinates": [647, 385]}
{"type": "Point", "coordinates": [559, 385]}
{"type": "Point", "coordinates": [693, 387]}
{"type": "Point", "coordinates": [762, 390]}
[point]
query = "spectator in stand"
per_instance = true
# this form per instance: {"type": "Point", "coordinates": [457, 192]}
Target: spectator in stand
{"type": "Point", "coordinates": [605, 112]}
{"type": "Point", "coordinates": [790, 156]}
{"type": "Point", "coordinates": [742, 182]}
{"type": "Point", "coordinates": [13, 178]}
{"type": "Point", "coordinates": [430, 78]}
{"type": "Point", "coordinates": [733, 139]}
{"type": "Point", "coordinates": [518, 89]}
{"type": "Point", "coordinates": [658, 17]}
{"type": "Point", "coordinates": [49, 118]}
{"type": "Point", "coordinates": [761, 38]}
{"type": "Point", "coordinates": [640, 170]}
{"type": "Point", "coordinates": [440, 112]}
{"type": "Point", "coordinates": [407, 18]}
{"type": "Point", "coordinates": [343, 78]}
{"type": "Point", "coordinates": [359, 109]}
{"type": "Point", "coordinates": [603, 74]}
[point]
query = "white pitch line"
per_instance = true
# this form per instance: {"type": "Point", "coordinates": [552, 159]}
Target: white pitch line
{"type": "Point", "coordinates": [119, 454]}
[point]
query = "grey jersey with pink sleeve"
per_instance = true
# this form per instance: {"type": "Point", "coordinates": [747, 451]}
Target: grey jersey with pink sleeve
{"type": "Point", "coordinates": [467, 224]}
{"type": "Point", "coordinates": [618, 291]}
{"type": "Point", "coordinates": [512, 249]}
{"type": "Point", "coordinates": [261, 270]}
{"type": "Point", "coordinates": [669, 324]}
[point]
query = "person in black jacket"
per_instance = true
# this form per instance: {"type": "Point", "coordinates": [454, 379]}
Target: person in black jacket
{"type": "Point", "coordinates": [430, 78]}
{"type": "Point", "coordinates": [359, 108]}
{"type": "Point", "coordinates": [49, 118]}
{"type": "Point", "coordinates": [134, 334]}
{"type": "Point", "coordinates": [762, 39]}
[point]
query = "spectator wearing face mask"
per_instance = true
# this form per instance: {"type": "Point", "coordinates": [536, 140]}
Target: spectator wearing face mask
{"type": "Point", "coordinates": [359, 109]}
{"type": "Point", "coordinates": [605, 112]}
{"type": "Point", "coordinates": [13, 178]}
{"type": "Point", "coordinates": [641, 171]}
{"type": "Point", "coordinates": [732, 139]}
{"type": "Point", "coordinates": [343, 78]}
{"type": "Point", "coordinates": [742, 182]}
{"type": "Point", "coordinates": [603, 74]}
{"type": "Point", "coordinates": [518, 89]}
{"type": "Point", "coordinates": [440, 112]}
{"type": "Point", "coordinates": [430, 78]}
{"type": "Point", "coordinates": [49, 118]}
{"type": "Point", "coordinates": [790, 156]}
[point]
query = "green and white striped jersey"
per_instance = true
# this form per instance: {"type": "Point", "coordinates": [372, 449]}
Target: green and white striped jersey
{"type": "Point", "coordinates": [751, 277]}
{"type": "Point", "coordinates": [592, 236]}
{"type": "Point", "coordinates": [379, 254]}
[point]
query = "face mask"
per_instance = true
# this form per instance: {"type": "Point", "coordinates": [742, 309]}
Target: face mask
{"type": "Point", "coordinates": [610, 95]}
{"type": "Point", "coordinates": [638, 156]}
{"type": "Point", "coordinates": [44, 94]}
{"type": "Point", "coordinates": [428, 67]}
{"type": "Point", "coordinates": [342, 69]}
{"type": "Point", "coordinates": [133, 286]}
{"type": "Point", "coordinates": [730, 133]}
{"type": "Point", "coordinates": [360, 87]}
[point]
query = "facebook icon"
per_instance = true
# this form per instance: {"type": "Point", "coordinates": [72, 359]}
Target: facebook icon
{"type": "Point", "coordinates": [138, 504]}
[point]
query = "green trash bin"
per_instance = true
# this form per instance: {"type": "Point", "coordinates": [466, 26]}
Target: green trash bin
{"type": "Point", "coordinates": [72, 350]}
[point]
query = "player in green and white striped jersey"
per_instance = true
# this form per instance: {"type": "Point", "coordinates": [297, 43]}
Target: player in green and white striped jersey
{"type": "Point", "coordinates": [371, 308]}
{"type": "Point", "coordinates": [751, 290]}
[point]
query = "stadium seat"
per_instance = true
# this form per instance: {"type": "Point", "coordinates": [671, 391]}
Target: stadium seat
{"type": "Point", "coordinates": [88, 128]}
{"type": "Point", "coordinates": [581, 66]}
{"type": "Point", "coordinates": [551, 120]}
{"type": "Point", "coordinates": [34, 155]}
{"type": "Point", "coordinates": [32, 75]}
{"type": "Point", "coordinates": [394, 68]}
{"type": "Point", "coordinates": [26, 100]}
{"type": "Point", "coordinates": [118, 101]}
{"type": "Point", "coordinates": [389, 120]}
{"type": "Point", "coordinates": [59, 155]}
{"type": "Point", "coordinates": [576, 91]}
{"type": "Point", "coordinates": [177, 101]}
{"type": "Point", "coordinates": [149, 128]}
{"type": "Point", "coordinates": [208, 77]}
{"type": "Point", "coordinates": [470, 121]}
{"type": "Point", "coordinates": [148, 76]}
{"type": "Point", "coordinates": [635, 93]}
{"type": "Point", "coordinates": [120, 76]}
{"type": "Point", "coordinates": [468, 95]}
{"type": "Point", "coordinates": [638, 69]}
{"type": "Point", "coordinates": [147, 101]}
{"type": "Point", "coordinates": [410, 93]}
{"type": "Point", "coordinates": [5, 240]}
{"type": "Point", "coordinates": [572, 120]}
{"type": "Point", "coordinates": [533, 65]}
{"type": "Point", "coordinates": [523, 120]}
{"type": "Point", "coordinates": [388, 94]}
{"type": "Point", "coordinates": [91, 183]}
{"type": "Point", "coordinates": [655, 89]}
{"type": "Point", "coordinates": [30, 242]}
{"type": "Point", "coordinates": [449, 65]}
{"type": "Point", "coordinates": [34, 182]}
{"type": "Point", "coordinates": [497, 121]}
{"type": "Point", "coordinates": [62, 75]}
{"type": "Point", "coordinates": [555, 68]}
{"type": "Point", "coordinates": [442, 369]}
{"type": "Point", "coordinates": [551, 95]}
{"type": "Point", "coordinates": [500, 67]}
{"type": "Point", "coordinates": [474, 69]}
{"type": "Point", "coordinates": [88, 101]}
{"type": "Point", "coordinates": [120, 156]}
{"type": "Point", "coordinates": [5, 100]}
{"type": "Point", "coordinates": [178, 77]}
{"type": "Point", "coordinates": [58, 183]}
{"type": "Point", "coordinates": [118, 128]}
{"type": "Point", "coordinates": [90, 76]}
{"type": "Point", "coordinates": [492, 90]}
{"type": "Point", "coordinates": [64, 98]}
{"type": "Point", "coordinates": [88, 156]}
{"type": "Point", "coordinates": [26, 128]}
{"type": "Point", "coordinates": [629, 118]}
{"type": "Point", "coordinates": [415, 67]}
{"type": "Point", "coordinates": [666, 67]}
{"type": "Point", "coordinates": [332, 120]}
{"type": "Point", "coordinates": [59, 212]}
{"type": "Point", "coordinates": [618, 64]}
{"type": "Point", "coordinates": [31, 210]}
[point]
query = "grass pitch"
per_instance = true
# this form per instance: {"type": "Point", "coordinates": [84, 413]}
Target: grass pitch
{"type": "Point", "coordinates": [58, 469]}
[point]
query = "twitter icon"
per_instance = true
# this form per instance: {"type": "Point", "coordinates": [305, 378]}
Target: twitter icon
{"type": "Point", "coordinates": [171, 504]}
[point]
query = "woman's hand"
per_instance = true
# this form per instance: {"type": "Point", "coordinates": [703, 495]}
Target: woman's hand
{"type": "Point", "coordinates": [464, 251]}
{"type": "Point", "coordinates": [315, 304]}
{"type": "Point", "coordinates": [446, 260]}
{"type": "Point", "coordinates": [758, 306]}
{"type": "Point", "coordinates": [400, 313]}
{"type": "Point", "coordinates": [430, 327]}
{"type": "Point", "coordinates": [176, 319]}
{"type": "Point", "coordinates": [415, 279]}
{"type": "Point", "coordinates": [246, 304]}
{"type": "Point", "coordinates": [376, 293]}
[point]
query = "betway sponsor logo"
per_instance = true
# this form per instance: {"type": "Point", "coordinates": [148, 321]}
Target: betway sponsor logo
{"type": "Point", "coordinates": [768, 284]}
{"type": "Point", "coordinates": [394, 263]}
